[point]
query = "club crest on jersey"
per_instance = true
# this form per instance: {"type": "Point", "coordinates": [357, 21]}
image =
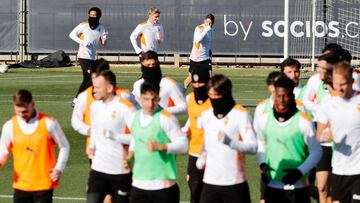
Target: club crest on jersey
{"type": "Point", "coordinates": [226, 122]}
{"type": "Point", "coordinates": [113, 115]}
{"type": "Point", "coordinates": [196, 77]}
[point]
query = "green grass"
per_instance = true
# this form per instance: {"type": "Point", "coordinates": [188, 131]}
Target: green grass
{"type": "Point", "coordinates": [53, 91]}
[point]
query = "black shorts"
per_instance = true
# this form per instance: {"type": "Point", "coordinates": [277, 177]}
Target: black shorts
{"type": "Point", "coordinates": [229, 194]}
{"type": "Point", "coordinates": [325, 161]}
{"type": "Point", "coordinates": [101, 184]}
{"type": "Point", "coordinates": [195, 180]}
{"type": "Point", "coordinates": [167, 195]}
{"type": "Point", "coordinates": [44, 196]}
{"type": "Point", "coordinates": [201, 64]}
{"type": "Point", "coordinates": [345, 188]}
{"type": "Point", "coordinates": [273, 195]}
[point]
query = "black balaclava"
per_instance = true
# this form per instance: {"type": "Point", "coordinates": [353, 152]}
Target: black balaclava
{"type": "Point", "coordinates": [200, 75]}
{"type": "Point", "coordinates": [223, 105]}
{"type": "Point", "coordinates": [152, 75]}
{"type": "Point", "coordinates": [93, 22]}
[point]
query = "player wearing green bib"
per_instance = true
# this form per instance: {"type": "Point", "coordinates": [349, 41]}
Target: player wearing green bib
{"type": "Point", "coordinates": [287, 147]}
{"type": "Point", "coordinates": [156, 138]}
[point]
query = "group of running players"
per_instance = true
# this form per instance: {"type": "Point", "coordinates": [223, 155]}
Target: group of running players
{"type": "Point", "coordinates": [299, 132]}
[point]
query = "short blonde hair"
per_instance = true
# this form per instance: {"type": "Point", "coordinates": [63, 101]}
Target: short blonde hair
{"type": "Point", "coordinates": [153, 10]}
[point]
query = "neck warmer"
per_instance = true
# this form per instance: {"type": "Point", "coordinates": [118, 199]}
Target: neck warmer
{"type": "Point", "coordinates": [151, 75]}
{"type": "Point", "coordinates": [93, 22]}
{"type": "Point", "coordinates": [200, 94]}
{"type": "Point", "coordinates": [222, 106]}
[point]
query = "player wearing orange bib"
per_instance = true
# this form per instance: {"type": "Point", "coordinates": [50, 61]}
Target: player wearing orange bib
{"type": "Point", "coordinates": [197, 102]}
{"type": "Point", "coordinates": [32, 136]}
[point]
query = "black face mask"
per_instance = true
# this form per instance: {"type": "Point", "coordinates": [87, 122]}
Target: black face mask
{"type": "Point", "coordinates": [93, 22]}
{"type": "Point", "coordinates": [151, 75]}
{"type": "Point", "coordinates": [284, 116]}
{"type": "Point", "coordinates": [222, 106]}
{"type": "Point", "coordinates": [200, 94]}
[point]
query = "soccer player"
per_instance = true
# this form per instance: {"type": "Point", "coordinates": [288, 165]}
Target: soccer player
{"type": "Point", "coordinates": [197, 102]}
{"type": "Point", "coordinates": [341, 111]}
{"type": "Point", "coordinates": [150, 33]}
{"type": "Point", "coordinates": [291, 68]}
{"type": "Point", "coordinates": [228, 135]}
{"type": "Point", "coordinates": [172, 98]}
{"type": "Point", "coordinates": [87, 34]}
{"type": "Point", "coordinates": [80, 118]}
{"type": "Point", "coordinates": [287, 147]}
{"type": "Point", "coordinates": [316, 90]}
{"type": "Point", "coordinates": [108, 142]}
{"type": "Point", "coordinates": [32, 136]}
{"type": "Point", "coordinates": [157, 137]}
{"type": "Point", "coordinates": [200, 56]}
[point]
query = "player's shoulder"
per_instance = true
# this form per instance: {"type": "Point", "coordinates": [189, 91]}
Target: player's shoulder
{"type": "Point", "coordinates": [305, 116]}
{"type": "Point", "coordinates": [143, 23]}
{"type": "Point", "coordinates": [262, 102]}
{"type": "Point", "coordinates": [84, 22]}
{"type": "Point", "coordinates": [200, 27]}
{"type": "Point", "coordinates": [138, 83]}
{"type": "Point", "coordinates": [168, 80]}
{"type": "Point", "coordinates": [126, 102]}
{"type": "Point", "coordinates": [299, 103]}
{"type": "Point", "coordinates": [239, 108]}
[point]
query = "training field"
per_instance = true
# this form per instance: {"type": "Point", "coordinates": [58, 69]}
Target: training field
{"type": "Point", "coordinates": [53, 91]}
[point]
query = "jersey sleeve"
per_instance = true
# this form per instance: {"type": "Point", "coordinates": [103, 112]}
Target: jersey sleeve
{"type": "Point", "coordinates": [178, 98]}
{"type": "Point", "coordinates": [75, 33]}
{"type": "Point", "coordinates": [200, 33]}
{"type": "Point", "coordinates": [260, 137]}
{"type": "Point", "coordinates": [57, 134]}
{"type": "Point", "coordinates": [134, 38]}
{"type": "Point", "coordinates": [321, 115]}
{"type": "Point", "coordinates": [77, 117]}
{"type": "Point", "coordinates": [6, 141]}
{"type": "Point", "coordinates": [309, 95]}
{"type": "Point", "coordinates": [315, 150]}
{"type": "Point", "coordinates": [178, 141]}
{"type": "Point", "coordinates": [247, 143]}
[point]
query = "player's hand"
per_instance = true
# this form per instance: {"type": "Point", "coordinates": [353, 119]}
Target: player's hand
{"type": "Point", "coordinates": [223, 138]}
{"type": "Point", "coordinates": [154, 146]}
{"type": "Point", "coordinates": [141, 54]}
{"type": "Point", "coordinates": [55, 174]}
{"type": "Point", "coordinates": [292, 176]}
{"type": "Point", "coordinates": [90, 152]}
{"type": "Point", "coordinates": [207, 27]}
{"type": "Point", "coordinates": [265, 173]}
{"type": "Point", "coordinates": [158, 34]}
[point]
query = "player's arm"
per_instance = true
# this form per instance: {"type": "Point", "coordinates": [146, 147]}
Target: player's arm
{"type": "Point", "coordinates": [75, 35]}
{"type": "Point", "coordinates": [161, 34]}
{"type": "Point", "coordinates": [322, 119]}
{"type": "Point", "coordinates": [315, 150]}
{"type": "Point", "coordinates": [178, 98]}
{"type": "Point", "coordinates": [77, 117]}
{"type": "Point", "coordinates": [104, 36]}
{"type": "Point", "coordinates": [309, 95]}
{"type": "Point", "coordinates": [125, 137]}
{"type": "Point", "coordinates": [134, 38]}
{"type": "Point", "coordinates": [57, 134]}
{"type": "Point", "coordinates": [6, 142]}
{"type": "Point", "coordinates": [200, 33]}
{"type": "Point", "coordinates": [260, 137]}
{"type": "Point", "coordinates": [178, 142]}
{"type": "Point", "coordinates": [247, 143]}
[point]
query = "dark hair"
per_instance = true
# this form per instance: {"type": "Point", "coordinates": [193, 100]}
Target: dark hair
{"type": "Point", "coordinates": [272, 77]}
{"type": "Point", "coordinates": [285, 82]}
{"type": "Point", "coordinates": [221, 84]}
{"type": "Point", "coordinates": [149, 55]}
{"type": "Point", "coordinates": [344, 66]}
{"type": "Point", "coordinates": [332, 47]}
{"type": "Point", "coordinates": [97, 10]}
{"type": "Point", "coordinates": [331, 58]}
{"type": "Point", "coordinates": [22, 97]}
{"type": "Point", "coordinates": [211, 17]}
{"type": "Point", "coordinates": [108, 76]}
{"type": "Point", "coordinates": [289, 62]}
{"type": "Point", "coordinates": [345, 55]}
{"type": "Point", "coordinates": [149, 87]}
{"type": "Point", "coordinates": [99, 65]}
